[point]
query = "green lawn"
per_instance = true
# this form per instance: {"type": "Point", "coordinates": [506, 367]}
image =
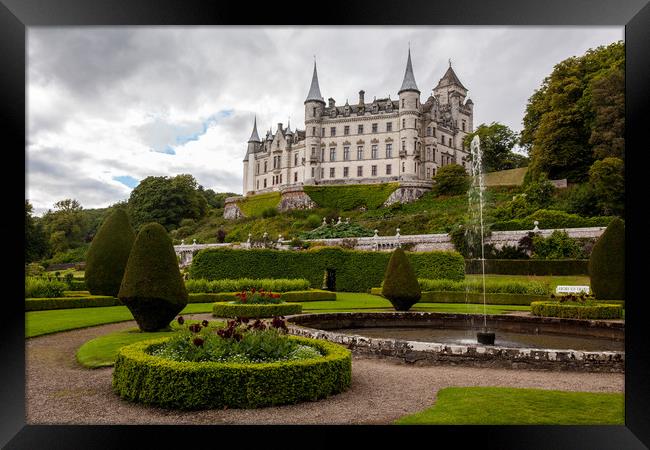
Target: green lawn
{"type": "Point", "coordinates": [510, 406]}
{"type": "Point", "coordinates": [101, 351]}
{"type": "Point", "coordinates": [38, 323]}
{"type": "Point", "coordinates": [552, 281]}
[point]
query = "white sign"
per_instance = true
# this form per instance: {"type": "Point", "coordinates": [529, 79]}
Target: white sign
{"type": "Point", "coordinates": [571, 289]}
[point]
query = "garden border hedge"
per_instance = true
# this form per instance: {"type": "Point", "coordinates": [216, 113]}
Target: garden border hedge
{"type": "Point", "coordinates": [232, 310]}
{"type": "Point", "coordinates": [564, 311]}
{"type": "Point", "coordinates": [144, 378]}
{"type": "Point", "coordinates": [529, 266]}
{"type": "Point", "coordinates": [356, 271]}
{"type": "Point", "coordinates": [93, 301]}
{"type": "Point", "coordinates": [491, 298]}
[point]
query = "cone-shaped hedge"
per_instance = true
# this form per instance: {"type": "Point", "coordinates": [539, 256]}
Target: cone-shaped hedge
{"type": "Point", "coordinates": [108, 254]}
{"type": "Point", "coordinates": [607, 263]}
{"type": "Point", "coordinates": [153, 288]}
{"type": "Point", "coordinates": [401, 285]}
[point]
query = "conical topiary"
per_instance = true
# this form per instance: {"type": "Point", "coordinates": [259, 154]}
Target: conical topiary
{"type": "Point", "coordinates": [108, 254]}
{"type": "Point", "coordinates": [607, 263]}
{"type": "Point", "coordinates": [401, 285]}
{"type": "Point", "coordinates": [153, 288]}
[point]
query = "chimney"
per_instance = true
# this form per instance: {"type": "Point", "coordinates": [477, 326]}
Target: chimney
{"type": "Point", "coordinates": [280, 127]}
{"type": "Point", "coordinates": [361, 94]}
{"type": "Point", "coordinates": [331, 102]}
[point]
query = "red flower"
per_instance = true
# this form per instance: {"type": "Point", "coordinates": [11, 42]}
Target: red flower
{"type": "Point", "coordinates": [198, 341]}
{"type": "Point", "coordinates": [205, 323]}
{"type": "Point", "coordinates": [180, 320]}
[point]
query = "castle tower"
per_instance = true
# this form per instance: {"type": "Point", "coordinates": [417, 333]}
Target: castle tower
{"type": "Point", "coordinates": [449, 84]}
{"type": "Point", "coordinates": [254, 146]}
{"type": "Point", "coordinates": [409, 115]}
{"type": "Point", "coordinates": [314, 105]}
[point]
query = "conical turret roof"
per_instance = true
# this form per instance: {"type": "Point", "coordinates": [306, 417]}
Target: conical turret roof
{"type": "Point", "coordinates": [254, 136]}
{"type": "Point", "coordinates": [409, 79]}
{"type": "Point", "coordinates": [314, 89]}
{"type": "Point", "coordinates": [450, 78]}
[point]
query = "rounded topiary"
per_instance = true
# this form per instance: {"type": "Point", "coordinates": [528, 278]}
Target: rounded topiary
{"type": "Point", "coordinates": [108, 253]}
{"type": "Point", "coordinates": [607, 263]}
{"type": "Point", "coordinates": [401, 285]}
{"type": "Point", "coordinates": [153, 288]}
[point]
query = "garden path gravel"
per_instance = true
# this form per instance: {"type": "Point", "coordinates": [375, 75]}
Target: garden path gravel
{"type": "Point", "coordinates": [60, 391]}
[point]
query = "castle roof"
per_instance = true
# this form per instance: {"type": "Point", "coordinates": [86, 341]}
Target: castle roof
{"type": "Point", "coordinates": [449, 79]}
{"type": "Point", "coordinates": [314, 89]}
{"type": "Point", "coordinates": [409, 79]}
{"type": "Point", "coordinates": [254, 136]}
{"type": "Point", "coordinates": [288, 130]}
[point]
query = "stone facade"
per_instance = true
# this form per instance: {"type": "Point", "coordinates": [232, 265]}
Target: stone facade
{"type": "Point", "coordinates": [231, 208]}
{"type": "Point", "coordinates": [384, 140]}
{"type": "Point", "coordinates": [294, 197]}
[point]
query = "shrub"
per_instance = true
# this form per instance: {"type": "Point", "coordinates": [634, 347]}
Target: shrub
{"type": "Point", "coordinates": [152, 287]}
{"type": "Point", "coordinates": [343, 230]}
{"type": "Point", "coordinates": [539, 192]}
{"type": "Point", "coordinates": [269, 212]}
{"type": "Point", "coordinates": [34, 269]}
{"type": "Point", "coordinates": [41, 304]}
{"type": "Point", "coordinates": [529, 266]}
{"type": "Point", "coordinates": [557, 246]}
{"type": "Point", "coordinates": [549, 219]}
{"type": "Point", "coordinates": [72, 255]}
{"type": "Point", "coordinates": [607, 263]}
{"type": "Point", "coordinates": [451, 179]}
{"type": "Point", "coordinates": [491, 286]}
{"type": "Point", "coordinates": [607, 176]}
{"type": "Point", "coordinates": [43, 287]}
{"type": "Point", "coordinates": [227, 309]}
{"type": "Point", "coordinates": [576, 310]}
{"type": "Point", "coordinates": [221, 236]}
{"type": "Point", "coordinates": [313, 221]}
{"type": "Point", "coordinates": [356, 271]}
{"type": "Point", "coordinates": [347, 198]}
{"type": "Point", "coordinates": [187, 385]}
{"type": "Point", "coordinates": [108, 254]}
{"type": "Point", "coordinates": [242, 284]}
{"type": "Point", "coordinates": [314, 295]}
{"type": "Point", "coordinates": [400, 285]}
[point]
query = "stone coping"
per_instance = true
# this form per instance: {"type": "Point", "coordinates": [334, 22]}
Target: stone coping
{"type": "Point", "coordinates": [477, 355]}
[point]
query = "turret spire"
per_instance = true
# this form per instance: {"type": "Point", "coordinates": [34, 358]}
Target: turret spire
{"type": "Point", "coordinates": [314, 89]}
{"type": "Point", "coordinates": [254, 136]}
{"type": "Point", "coordinates": [409, 79]}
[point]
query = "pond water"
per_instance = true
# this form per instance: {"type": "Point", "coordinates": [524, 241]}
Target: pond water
{"type": "Point", "coordinates": [503, 339]}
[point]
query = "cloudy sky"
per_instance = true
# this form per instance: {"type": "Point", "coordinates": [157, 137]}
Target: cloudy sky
{"type": "Point", "coordinates": [110, 106]}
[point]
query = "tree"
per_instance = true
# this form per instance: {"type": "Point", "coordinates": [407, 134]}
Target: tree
{"type": "Point", "coordinates": [497, 142]}
{"type": "Point", "coordinates": [64, 225]}
{"type": "Point", "coordinates": [607, 263]}
{"type": "Point", "coordinates": [451, 179]}
{"type": "Point", "coordinates": [608, 180]}
{"type": "Point", "coordinates": [214, 199]}
{"type": "Point", "coordinates": [576, 116]}
{"type": "Point", "coordinates": [36, 241]}
{"type": "Point", "coordinates": [166, 201]}
{"type": "Point", "coordinates": [108, 254]}
{"type": "Point", "coordinates": [400, 285]}
{"type": "Point", "coordinates": [153, 288]}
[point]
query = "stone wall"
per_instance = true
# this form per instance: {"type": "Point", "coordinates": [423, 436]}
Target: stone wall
{"type": "Point", "coordinates": [231, 208]}
{"type": "Point", "coordinates": [294, 197]}
{"type": "Point", "coordinates": [408, 191]}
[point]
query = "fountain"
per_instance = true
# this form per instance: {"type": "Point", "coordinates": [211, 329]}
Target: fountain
{"type": "Point", "coordinates": [475, 209]}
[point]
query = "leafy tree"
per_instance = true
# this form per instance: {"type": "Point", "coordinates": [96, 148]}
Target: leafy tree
{"type": "Point", "coordinates": [36, 241]}
{"type": "Point", "coordinates": [608, 181]}
{"type": "Point", "coordinates": [167, 201]}
{"type": "Point", "coordinates": [65, 225]}
{"type": "Point", "coordinates": [451, 179]}
{"type": "Point", "coordinates": [214, 199]}
{"type": "Point", "coordinates": [576, 115]}
{"type": "Point", "coordinates": [400, 285]}
{"type": "Point", "coordinates": [539, 192]}
{"type": "Point", "coordinates": [497, 142]}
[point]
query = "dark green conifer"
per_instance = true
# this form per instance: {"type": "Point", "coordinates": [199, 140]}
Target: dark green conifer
{"type": "Point", "coordinates": [607, 263]}
{"type": "Point", "coordinates": [401, 285]}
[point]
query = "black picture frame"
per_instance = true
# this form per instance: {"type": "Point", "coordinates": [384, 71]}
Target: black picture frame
{"type": "Point", "coordinates": [17, 15]}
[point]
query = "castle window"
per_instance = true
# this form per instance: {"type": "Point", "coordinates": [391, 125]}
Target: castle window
{"type": "Point", "coordinates": [314, 114]}
{"type": "Point", "coordinates": [434, 132]}
{"type": "Point", "coordinates": [264, 182]}
{"type": "Point", "coordinates": [346, 130]}
{"type": "Point", "coordinates": [346, 171]}
{"type": "Point", "coordinates": [360, 153]}
{"type": "Point", "coordinates": [333, 131]}
{"type": "Point", "coordinates": [374, 152]}
{"type": "Point", "coordinates": [313, 150]}
{"type": "Point", "coordinates": [332, 154]}
{"type": "Point", "coordinates": [295, 177]}
{"type": "Point", "coordinates": [322, 132]}
{"type": "Point", "coordinates": [464, 124]}
{"type": "Point", "coordinates": [331, 172]}
{"type": "Point", "coordinates": [389, 168]}
{"type": "Point", "coordinates": [428, 131]}
{"type": "Point", "coordinates": [389, 127]}
{"type": "Point", "coordinates": [322, 154]}
{"type": "Point", "coordinates": [360, 129]}
{"type": "Point", "coordinates": [359, 171]}
{"type": "Point", "coordinates": [258, 184]}
{"type": "Point", "coordinates": [374, 127]}
{"type": "Point", "coordinates": [403, 167]}
{"type": "Point", "coordinates": [429, 153]}
{"type": "Point", "coordinates": [322, 173]}
{"type": "Point", "coordinates": [403, 123]}
{"type": "Point", "coordinates": [313, 131]}
{"type": "Point", "coordinates": [295, 159]}
{"type": "Point", "coordinates": [428, 173]}
{"type": "Point", "coordinates": [402, 103]}
{"type": "Point", "coordinates": [373, 171]}
{"type": "Point", "coordinates": [346, 153]}
{"type": "Point", "coordinates": [404, 146]}
{"type": "Point", "coordinates": [278, 144]}
{"type": "Point", "coordinates": [257, 168]}
{"type": "Point", "coordinates": [417, 102]}
{"type": "Point", "coordinates": [313, 169]}
{"type": "Point", "coordinates": [280, 178]}
{"type": "Point", "coordinates": [265, 167]}
{"type": "Point", "coordinates": [389, 150]}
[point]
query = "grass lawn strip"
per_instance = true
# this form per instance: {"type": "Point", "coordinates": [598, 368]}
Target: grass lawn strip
{"type": "Point", "coordinates": [514, 406]}
{"type": "Point", "coordinates": [101, 351]}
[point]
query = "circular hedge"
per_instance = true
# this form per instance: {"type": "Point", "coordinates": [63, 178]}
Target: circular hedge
{"type": "Point", "coordinates": [254, 311]}
{"type": "Point", "coordinates": [151, 380]}
{"type": "Point", "coordinates": [574, 311]}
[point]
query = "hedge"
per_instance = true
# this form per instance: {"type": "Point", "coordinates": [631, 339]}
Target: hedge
{"type": "Point", "coordinates": [574, 311]}
{"type": "Point", "coordinates": [314, 295]}
{"type": "Point", "coordinates": [141, 377]}
{"type": "Point", "coordinates": [232, 310]}
{"type": "Point", "coordinates": [356, 271]}
{"type": "Point", "coordinates": [551, 219]}
{"type": "Point", "coordinates": [529, 266]}
{"type": "Point", "coordinates": [491, 286]}
{"type": "Point", "coordinates": [254, 205]}
{"type": "Point", "coordinates": [77, 285]}
{"type": "Point", "coordinates": [243, 284]}
{"type": "Point", "coordinates": [93, 301]}
{"type": "Point", "coordinates": [346, 198]}
{"type": "Point", "coordinates": [209, 297]}
{"type": "Point", "coordinates": [473, 297]}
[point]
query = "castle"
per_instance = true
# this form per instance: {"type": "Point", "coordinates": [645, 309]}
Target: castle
{"type": "Point", "coordinates": [386, 140]}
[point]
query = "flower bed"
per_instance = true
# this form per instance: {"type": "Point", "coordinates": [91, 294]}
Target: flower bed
{"type": "Point", "coordinates": [232, 309]}
{"type": "Point", "coordinates": [200, 370]}
{"type": "Point", "coordinates": [577, 310]}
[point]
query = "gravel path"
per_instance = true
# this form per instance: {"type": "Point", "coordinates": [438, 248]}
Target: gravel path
{"type": "Point", "coordinates": [60, 391]}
